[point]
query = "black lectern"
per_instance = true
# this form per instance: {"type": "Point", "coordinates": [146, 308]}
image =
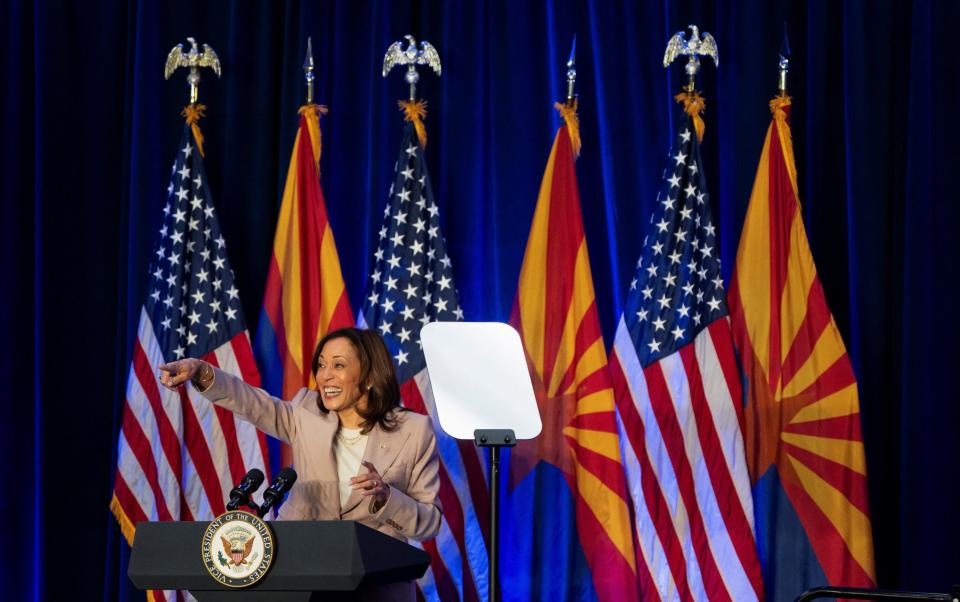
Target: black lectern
{"type": "Point", "coordinates": [312, 559]}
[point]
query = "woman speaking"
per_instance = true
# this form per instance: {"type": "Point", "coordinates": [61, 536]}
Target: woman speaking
{"type": "Point", "coordinates": [358, 454]}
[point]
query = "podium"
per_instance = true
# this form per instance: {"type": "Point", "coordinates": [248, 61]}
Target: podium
{"type": "Point", "coordinates": [313, 560]}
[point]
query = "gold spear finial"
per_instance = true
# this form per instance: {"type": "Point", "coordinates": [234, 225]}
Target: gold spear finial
{"type": "Point", "coordinates": [308, 71]}
{"type": "Point", "coordinates": [194, 59]}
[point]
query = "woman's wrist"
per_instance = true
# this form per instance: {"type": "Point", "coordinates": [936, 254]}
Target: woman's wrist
{"type": "Point", "coordinates": [204, 377]}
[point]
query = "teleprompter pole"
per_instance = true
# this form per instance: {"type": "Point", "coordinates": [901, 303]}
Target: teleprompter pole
{"type": "Point", "coordinates": [494, 439]}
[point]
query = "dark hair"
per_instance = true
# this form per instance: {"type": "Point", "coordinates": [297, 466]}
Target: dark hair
{"type": "Point", "coordinates": [377, 376]}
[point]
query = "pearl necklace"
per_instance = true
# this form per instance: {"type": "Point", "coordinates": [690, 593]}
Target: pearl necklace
{"type": "Point", "coordinates": [350, 440]}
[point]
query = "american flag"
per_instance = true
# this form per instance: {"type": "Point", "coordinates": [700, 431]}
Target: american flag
{"type": "Point", "coordinates": [178, 454]}
{"type": "Point", "coordinates": [678, 395]}
{"type": "Point", "coordinates": [412, 285]}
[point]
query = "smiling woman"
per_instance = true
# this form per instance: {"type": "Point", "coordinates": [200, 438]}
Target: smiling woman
{"type": "Point", "coordinates": [359, 456]}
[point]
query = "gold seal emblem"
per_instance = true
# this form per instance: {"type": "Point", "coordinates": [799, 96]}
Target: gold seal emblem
{"type": "Point", "coordinates": [237, 549]}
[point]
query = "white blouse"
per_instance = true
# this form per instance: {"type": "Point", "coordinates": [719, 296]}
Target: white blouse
{"type": "Point", "coordinates": [348, 448]}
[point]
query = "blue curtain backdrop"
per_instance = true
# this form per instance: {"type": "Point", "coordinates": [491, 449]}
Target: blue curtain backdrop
{"type": "Point", "coordinates": [90, 127]}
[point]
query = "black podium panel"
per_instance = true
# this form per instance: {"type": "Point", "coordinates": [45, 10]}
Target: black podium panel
{"type": "Point", "coordinates": [309, 556]}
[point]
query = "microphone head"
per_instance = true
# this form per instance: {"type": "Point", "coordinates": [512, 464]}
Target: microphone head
{"type": "Point", "coordinates": [254, 477]}
{"type": "Point", "coordinates": [287, 476]}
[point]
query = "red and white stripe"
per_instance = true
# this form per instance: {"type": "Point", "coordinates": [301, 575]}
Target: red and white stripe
{"type": "Point", "coordinates": [178, 455]}
{"type": "Point", "coordinates": [459, 567]}
{"type": "Point", "coordinates": [686, 471]}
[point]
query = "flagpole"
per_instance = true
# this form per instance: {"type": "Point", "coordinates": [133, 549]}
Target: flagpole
{"type": "Point", "coordinates": [308, 71]}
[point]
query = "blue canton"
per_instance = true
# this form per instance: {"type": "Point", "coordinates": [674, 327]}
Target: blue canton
{"type": "Point", "coordinates": [193, 302]}
{"type": "Point", "coordinates": [412, 281]}
{"type": "Point", "coordinates": [677, 290]}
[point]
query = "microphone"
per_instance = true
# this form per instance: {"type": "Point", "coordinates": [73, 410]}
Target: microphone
{"type": "Point", "coordinates": [240, 495]}
{"type": "Point", "coordinates": [280, 486]}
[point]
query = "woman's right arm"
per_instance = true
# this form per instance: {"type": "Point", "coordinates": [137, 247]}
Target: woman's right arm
{"type": "Point", "coordinates": [271, 415]}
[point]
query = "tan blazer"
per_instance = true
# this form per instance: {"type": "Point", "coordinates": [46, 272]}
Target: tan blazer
{"type": "Point", "coordinates": [406, 458]}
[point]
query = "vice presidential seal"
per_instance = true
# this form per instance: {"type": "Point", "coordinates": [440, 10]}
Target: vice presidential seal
{"type": "Point", "coordinates": [237, 549]}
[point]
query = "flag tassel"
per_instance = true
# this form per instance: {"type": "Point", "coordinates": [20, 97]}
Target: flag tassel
{"type": "Point", "coordinates": [194, 112]}
{"type": "Point", "coordinates": [415, 111]}
{"type": "Point", "coordinates": [313, 112]}
{"type": "Point", "coordinates": [694, 105]}
{"type": "Point", "coordinates": [569, 113]}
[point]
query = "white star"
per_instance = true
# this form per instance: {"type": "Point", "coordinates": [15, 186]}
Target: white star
{"type": "Point", "coordinates": [662, 225]}
{"type": "Point", "coordinates": [433, 210]}
{"type": "Point", "coordinates": [171, 280]}
{"type": "Point", "coordinates": [421, 202]}
{"type": "Point", "coordinates": [375, 276]}
{"type": "Point", "coordinates": [688, 288]}
{"type": "Point", "coordinates": [445, 261]}
{"type": "Point", "coordinates": [432, 232]}
{"type": "Point", "coordinates": [397, 239]}
{"type": "Point", "coordinates": [677, 333]}
{"type": "Point", "coordinates": [197, 297]}
{"type": "Point", "coordinates": [214, 306]}
{"type": "Point", "coordinates": [658, 324]}
{"type": "Point", "coordinates": [685, 213]}
{"type": "Point", "coordinates": [652, 270]}
{"type": "Point", "coordinates": [216, 284]}
{"type": "Point", "coordinates": [401, 358]}
{"type": "Point", "coordinates": [220, 242]}
{"type": "Point", "coordinates": [675, 257]}
{"type": "Point", "coordinates": [642, 315]}
{"type": "Point", "coordinates": [674, 181]}
{"type": "Point", "coordinates": [184, 171]}
{"type": "Point", "coordinates": [692, 167]}
{"type": "Point", "coordinates": [197, 182]}
{"type": "Point", "coordinates": [194, 317]}
{"type": "Point", "coordinates": [691, 190]}
{"type": "Point", "coordinates": [670, 280]}
{"type": "Point", "coordinates": [383, 232]}
{"type": "Point", "coordinates": [379, 254]}
{"type": "Point", "coordinates": [657, 248]}
{"type": "Point", "coordinates": [407, 173]}
{"type": "Point", "coordinates": [385, 327]}
{"type": "Point", "coordinates": [702, 272]}
{"type": "Point", "coordinates": [706, 250]}
{"type": "Point", "coordinates": [664, 301]}
{"type": "Point", "coordinates": [220, 263]}
{"type": "Point", "coordinates": [192, 224]}
{"type": "Point", "coordinates": [709, 229]}
{"type": "Point", "coordinates": [412, 150]}
{"type": "Point", "coordinates": [458, 313]}
{"type": "Point", "coordinates": [680, 235]}
{"type": "Point", "coordinates": [654, 346]}
{"type": "Point", "coordinates": [404, 195]}
{"type": "Point", "coordinates": [179, 215]}
{"type": "Point", "coordinates": [178, 352]}
{"type": "Point", "coordinates": [391, 282]}
{"type": "Point", "coordinates": [668, 203]}
{"type": "Point", "coordinates": [233, 292]}
{"type": "Point", "coordinates": [401, 217]}
{"type": "Point", "coordinates": [416, 247]}
{"type": "Point", "coordinates": [684, 311]}
{"type": "Point", "coordinates": [202, 275]}
{"type": "Point", "coordinates": [718, 282]}
{"type": "Point", "coordinates": [197, 202]}
{"type": "Point", "coordinates": [696, 318]}
{"type": "Point", "coordinates": [211, 326]}
{"type": "Point", "coordinates": [174, 258]}
{"type": "Point", "coordinates": [680, 157]}
{"type": "Point", "coordinates": [419, 225]}
{"type": "Point", "coordinates": [444, 283]}
{"type": "Point", "coordinates": [394, 262]}
{"type": "Point", "coordinates": [181, 330]}
{"type": "Point", "coordinates": [633, 284]}
{"type": "Point", "coordinates": [165, 323]}
{"type": "Point", "coordinates": [155, 295]}
{"type": "Point", "coordinates": [428, 276]}
{"type": "Point", "coordinates": [231, 314]}
{"type": "Point", "coordinates": [441, 305]}
{"type": "Point", "coordinates": [414, 269]}
{"type": "Point", "coordinates": [685, 135]}
{"type": "Point", "coordinates": [205, 254]}
{"type": "Point", "coordinates": [388, 305]}
{"type": "Point", "coordinates": [411, 291]}
{"type": "Point", "coordinates": [374, 297]}
{"type": "Point", "coordinates": [191, 338]}
{"type": "Point", "coordinates": [403, 335]}
{"type": "Point", "coordinates": [714, 304]}
{"type": "Point", "coordinates": [647, 293]}
{"type": "Point", "coordinates": [407, 313]}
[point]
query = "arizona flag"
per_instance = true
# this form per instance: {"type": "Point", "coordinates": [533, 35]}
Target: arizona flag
{"type": "Point", "coordinates": [572, 473]}
{"type": "Point", "coordinates": [305, 296]}
{"type": "Point", "coordinates": [803, 441]}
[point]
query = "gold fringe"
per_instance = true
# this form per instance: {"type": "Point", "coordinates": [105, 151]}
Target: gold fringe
{"type": "Point", "coordinates": [313, 112]}
{"type": "Point", "coordinates": [694, 105]}
{"type": "Point", "coordinates": [778, 106]}
{"type": "Point", "coordinates": [416, 112]}
{"type": "Point", "coordinates": [126, 527]}
{"type": "Point", "coordinates": [569, 114]}
{"type": "Point", "coordinates": [193, 113]}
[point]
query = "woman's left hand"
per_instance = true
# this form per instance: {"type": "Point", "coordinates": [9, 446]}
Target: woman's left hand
{"type": "Point", "coordinates": [371, 484]}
